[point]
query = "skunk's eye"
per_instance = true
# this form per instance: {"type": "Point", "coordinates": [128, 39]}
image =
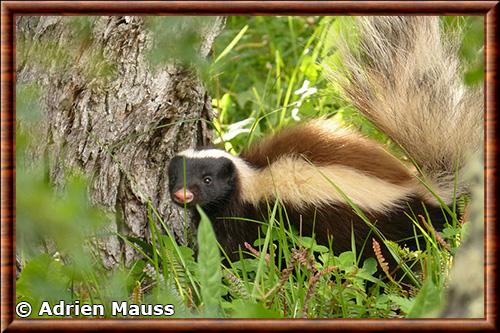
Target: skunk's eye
{"type": "Point", "coordinates": [207, 180]}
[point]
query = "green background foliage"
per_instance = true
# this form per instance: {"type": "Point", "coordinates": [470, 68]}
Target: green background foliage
{"type": "Point", "coordinates": [264, 73]}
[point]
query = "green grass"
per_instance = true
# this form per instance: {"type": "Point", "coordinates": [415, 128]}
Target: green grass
{"type": "Point", "coordinates": [265, 74]}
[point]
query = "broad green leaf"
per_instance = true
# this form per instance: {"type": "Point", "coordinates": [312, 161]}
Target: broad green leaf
{"type": "Point", "coordinates": [346, 259]}
{"type": "Point", "coordinates": [428, 300]}
{"type": "Point", "coordinates": [210, 274]}
{"type": "Point", "coordinates": [43, 279]}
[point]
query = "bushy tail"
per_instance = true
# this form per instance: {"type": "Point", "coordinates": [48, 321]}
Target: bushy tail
{"type": "Point", "coordinates": [405, 76]}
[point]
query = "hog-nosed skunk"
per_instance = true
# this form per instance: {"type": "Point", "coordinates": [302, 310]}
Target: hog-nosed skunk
{"type": "Point", "coordinates": [404, 77]}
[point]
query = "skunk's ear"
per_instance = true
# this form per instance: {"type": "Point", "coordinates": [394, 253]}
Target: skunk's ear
{"type": "Point", "coordinates": [226, 169]}
{"type": "Point", "coordinates": [175, 171]}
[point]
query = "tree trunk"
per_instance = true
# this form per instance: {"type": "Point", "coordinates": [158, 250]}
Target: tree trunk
{"type": "Point", "coordinates": [109, 113]}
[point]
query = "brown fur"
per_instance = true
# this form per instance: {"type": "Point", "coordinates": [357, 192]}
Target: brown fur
{"type": "Point", "coordinates": [324, 148]}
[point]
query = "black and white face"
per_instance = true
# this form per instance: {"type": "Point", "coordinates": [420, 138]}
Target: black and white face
{"type": "Point", "coordinates": [210, 180]}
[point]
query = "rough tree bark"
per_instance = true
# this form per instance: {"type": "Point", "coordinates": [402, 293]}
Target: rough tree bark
{"type": "Point", "coordinates": [120, 132]}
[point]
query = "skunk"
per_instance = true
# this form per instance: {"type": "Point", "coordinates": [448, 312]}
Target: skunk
{"type": "Point", "coordinates": [405, 77]}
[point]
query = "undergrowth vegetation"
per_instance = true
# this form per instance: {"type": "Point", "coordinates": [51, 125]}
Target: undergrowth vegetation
{"type": "Point", "coordinates": [265, 73]}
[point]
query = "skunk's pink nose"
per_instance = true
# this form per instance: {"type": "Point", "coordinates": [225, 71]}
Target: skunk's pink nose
{"type": "Point", "coordinates": [183, 196]}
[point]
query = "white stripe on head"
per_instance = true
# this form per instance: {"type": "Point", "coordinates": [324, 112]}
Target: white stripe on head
{"type": "Point", "coordinates": [206, 153]}
{"type": "Point", "coordinates": [245, 171]}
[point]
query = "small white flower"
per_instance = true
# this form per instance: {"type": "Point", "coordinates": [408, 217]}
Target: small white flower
{"type": "Point", "coordinates": [295, 114]}
{"type": "Point", "coordinates": [302, 89]}
{"type": "Point", "coordinates": [304, 92]}
{"type": "Point", "coordinates": [235, 129]}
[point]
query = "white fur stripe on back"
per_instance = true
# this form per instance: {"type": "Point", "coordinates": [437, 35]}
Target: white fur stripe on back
{"type": "Point", "coordinates": [296, 182]}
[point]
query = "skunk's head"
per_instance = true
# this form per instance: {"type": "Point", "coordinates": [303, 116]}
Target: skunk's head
{"type": "Point", "coordinates": [204, 177]}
